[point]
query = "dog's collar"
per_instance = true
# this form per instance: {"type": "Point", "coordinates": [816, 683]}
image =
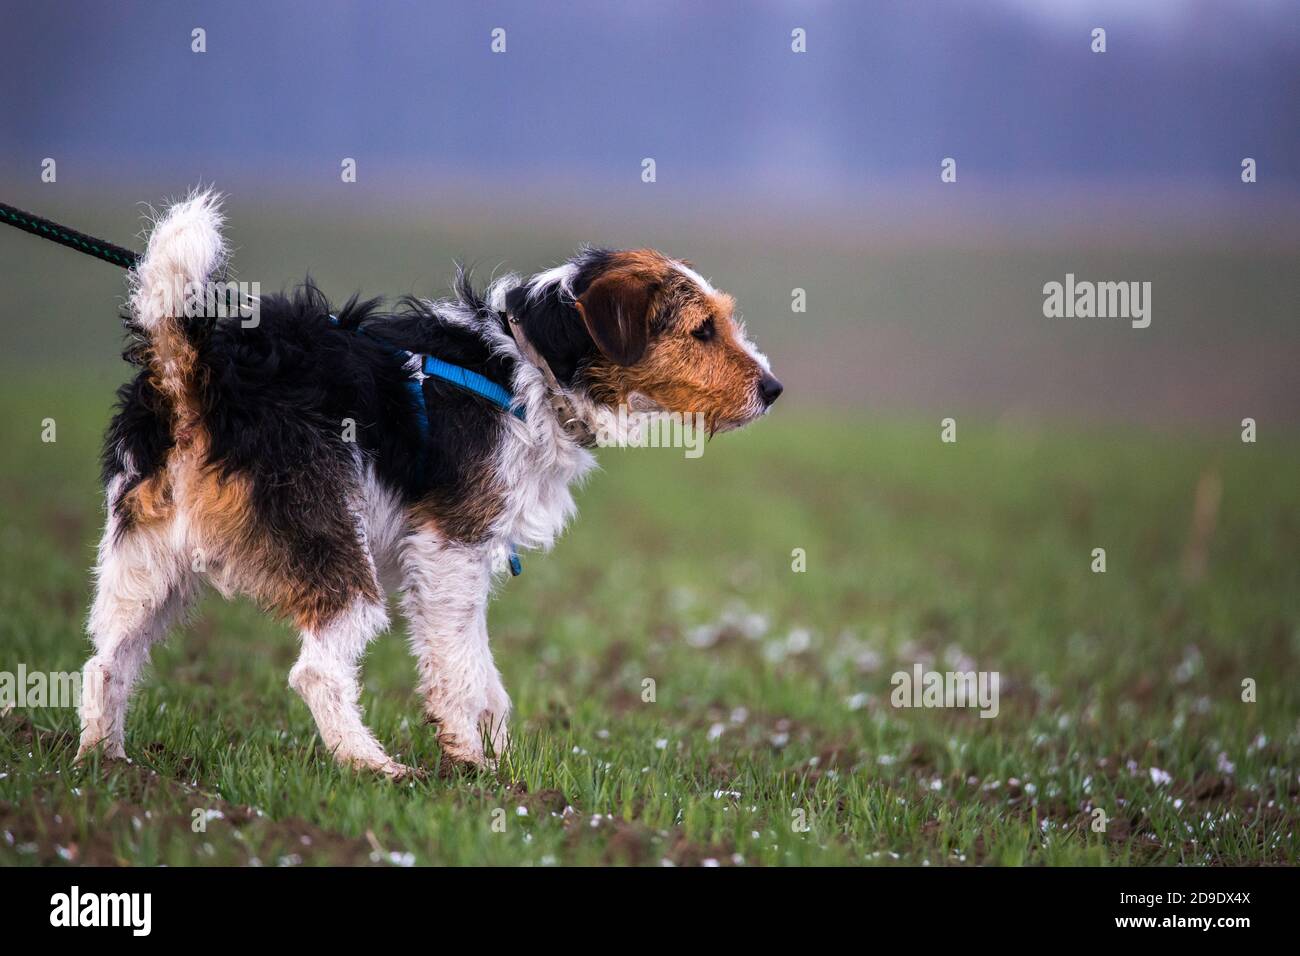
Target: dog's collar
{"type": "Point", "coordinates": [571, 421]}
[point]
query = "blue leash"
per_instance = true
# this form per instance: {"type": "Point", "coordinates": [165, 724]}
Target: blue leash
{"type": "Point", "coordinates": [433, 367]}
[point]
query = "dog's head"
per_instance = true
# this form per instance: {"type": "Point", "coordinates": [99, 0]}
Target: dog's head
{"type": "Point", "coordinates": [641, 329]}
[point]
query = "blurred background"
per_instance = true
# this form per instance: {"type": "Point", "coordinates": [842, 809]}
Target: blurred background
{"type": "Point", "coordinates": [774, 171]}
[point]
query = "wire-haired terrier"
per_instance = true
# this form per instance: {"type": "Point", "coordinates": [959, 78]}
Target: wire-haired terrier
{"type": "Point", "coordinates": [313, 459]}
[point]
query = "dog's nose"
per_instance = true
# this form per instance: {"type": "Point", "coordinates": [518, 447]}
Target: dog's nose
{"type": "Point", "coordinates": [769, 389]}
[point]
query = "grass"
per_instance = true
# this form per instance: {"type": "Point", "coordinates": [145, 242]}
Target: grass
{"type": "Point", "coordinates": [1120, 691]}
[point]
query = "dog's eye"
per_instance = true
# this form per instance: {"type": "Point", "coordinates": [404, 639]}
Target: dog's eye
{"type": "Point", "coordinates": [704, 331]}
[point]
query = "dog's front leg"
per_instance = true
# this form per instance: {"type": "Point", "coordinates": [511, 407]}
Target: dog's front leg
{"type": "Point", "coordinates": [445, 595]}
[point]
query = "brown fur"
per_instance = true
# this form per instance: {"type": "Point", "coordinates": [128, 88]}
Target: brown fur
{"type": "Point", "coordinates": [242, 551]}
{"type": "Point", "coordinates": [674, 369]}
{"type": "Point", "coordinates": [176, 375]}
{"type": "Point", "coordinates": [468, 516]}
{"type": "Point", "coordinates": [617, 306]}
{"type": "Point", "coordinates": [148, 503]}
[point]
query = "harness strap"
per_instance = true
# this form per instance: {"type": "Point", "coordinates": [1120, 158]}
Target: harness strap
{"type": "Point", "coordinates": [472, 382]}
{"type": "Point", "coordinates": [433, 367]}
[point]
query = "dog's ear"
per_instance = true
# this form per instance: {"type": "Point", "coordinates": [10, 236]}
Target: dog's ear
{"type": "Point", "coordinates": [616, 309]}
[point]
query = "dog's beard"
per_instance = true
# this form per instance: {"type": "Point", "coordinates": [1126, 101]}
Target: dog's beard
{"type": "Point", "coordinates": [640, 404]}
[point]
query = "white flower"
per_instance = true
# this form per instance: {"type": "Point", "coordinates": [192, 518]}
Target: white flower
{"type": "Point", "coordinates": [798, 641]}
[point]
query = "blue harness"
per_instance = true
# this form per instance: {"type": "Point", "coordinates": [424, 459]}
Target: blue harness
{"type": "Point", "coordinates": [433, 367]}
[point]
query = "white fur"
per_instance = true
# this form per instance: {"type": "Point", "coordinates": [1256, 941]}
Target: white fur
{"type": "Point", "coordinates": [699, 280]}
{"type": "Point", "coordinates": [444, 598]}
{"type": "Point", "coordinates": [326, 676]}
{"type": "Point", "coordinates": [185, 245]}
{"type": "Point", "coordinates": [385, 525]}
{"type": "Point", "coordinates": [561, 276]}
{"type": "Point", "coordinates": [537, 462]}
{"type": "Point", "coordinates": [751, 348]}
{"type": "Point", "coordinates": [142, 587]}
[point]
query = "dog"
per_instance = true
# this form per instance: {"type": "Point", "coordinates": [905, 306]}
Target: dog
{"type": "Point", "coordinates": [318, 460]}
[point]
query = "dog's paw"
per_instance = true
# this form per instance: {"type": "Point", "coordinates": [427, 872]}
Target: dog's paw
{"type": "Point", "coordinates": [107, 751]}
{"type": "Point", "coordinates": [452, 766]}
{"type": "Point", "coordinates": [459, 752]}
{"type": "Point", "coordinates": [96, 738]}
{"type": "Point", "coordinates": [467, 742]}
{"type": "Point", "coordinates": [400, 772]}
{"type": "Point", "coordinates": [382, 766]}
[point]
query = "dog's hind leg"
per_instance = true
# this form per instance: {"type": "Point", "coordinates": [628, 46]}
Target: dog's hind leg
{"type": "Point", "coordinates": [445, 595]}
{"type": "Point", "coordinates": [326, 676]}
{"type": "Point", "coordinates": [143, 586]}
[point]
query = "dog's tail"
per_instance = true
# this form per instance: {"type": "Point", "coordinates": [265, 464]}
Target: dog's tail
{"type": "Point", "coordinates": [185, 250]}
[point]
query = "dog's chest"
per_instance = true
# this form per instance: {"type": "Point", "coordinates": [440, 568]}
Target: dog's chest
{"type": "Point", "coordinates": [537, 480]}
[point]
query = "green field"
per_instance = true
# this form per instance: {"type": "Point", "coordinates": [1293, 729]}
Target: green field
{"type": "Point", "coordinates": [1120, 691]}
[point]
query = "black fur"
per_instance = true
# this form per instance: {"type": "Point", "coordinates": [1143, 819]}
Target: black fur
{"type": "Point", "coordinates": [277, 395]}
{"type": "Point", "coordinates": [274, 399]}
{"type": "Point", "coordinates": [139, 433]}
{"type": "Point", "coordinates": [553, 324]}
